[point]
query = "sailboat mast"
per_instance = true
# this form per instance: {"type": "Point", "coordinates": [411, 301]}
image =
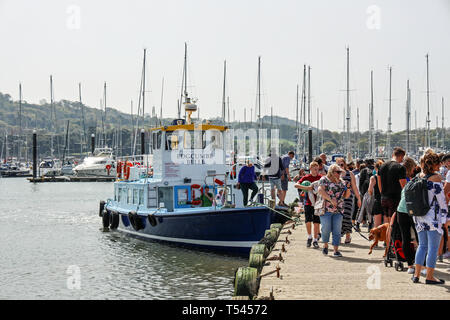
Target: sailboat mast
{"type": "Point", "coordinates": [224, 83]}
{"type": "Point", "coordinates": [304, 109]}
{"type": "Point", "coordinates": [83, 119]}
{"type": "Point", "coordinates": [371, 120]}
{"type": "Point", "coordinates": [428, 141]}
{"type": "Point", "coordinates": [104, 120]}
{"type": "Point", "coordinates": [20, 122]}
{"type": "Point", "coordinates": [259, 93]}
{"type": "Point", "coordinates": [162, 98]}
{"type": "Point", "coordinates": [143, 89]}
{"type": "Point", "coordinates": [52, 116]}
{"type": "Point", "coordinates": [309, 97]}
{"type": "Point", "coordinates": [132, 130]}
{"type": "Point", "coordinates": [296, 122]}
{"type": "Point", "coordinates": [408, 117]}
{"type": "Point", "coordinates": [348, 101]}
{"type": "Point", "coordinates": [388, 137]}
{"type": "Point", "coordinates": [443, 128]}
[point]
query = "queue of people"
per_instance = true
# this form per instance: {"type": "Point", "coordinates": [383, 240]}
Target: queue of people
{"type": "Point", "coordinates": [335, 205]}
{"type": "Point", "coordinates": [333, 202]}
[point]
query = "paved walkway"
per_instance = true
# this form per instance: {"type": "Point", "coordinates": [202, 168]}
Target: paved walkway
{"type": "Point", "coordinates": [306, 273]}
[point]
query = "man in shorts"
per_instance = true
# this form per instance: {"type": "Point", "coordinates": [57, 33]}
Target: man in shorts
{"type": "Point", "coordinates": [392, 179]}
{"type": "Point", "coordinates": [310, 217]}
{"type": "Point", "coordinates": [272, 170]}
{"type": "Point", "coordinates": [285, 176]}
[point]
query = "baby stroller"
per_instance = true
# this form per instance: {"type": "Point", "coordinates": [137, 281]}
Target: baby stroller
{"type": "Point", "coordinates": [395, 251]}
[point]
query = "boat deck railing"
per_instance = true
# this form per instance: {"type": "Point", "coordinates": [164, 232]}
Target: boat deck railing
{"type": "Point", "coordinates": [141, 161]}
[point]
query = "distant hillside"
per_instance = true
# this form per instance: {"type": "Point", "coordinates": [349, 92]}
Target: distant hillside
{"type": "Point", "coordinates": [118, 129]}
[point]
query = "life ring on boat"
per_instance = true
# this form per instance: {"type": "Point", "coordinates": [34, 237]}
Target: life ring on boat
{"type": "Point", "coordinates": [193, 187]}
{"type": "Point", "coordinates": [108, 168]}
{"type": "Point", "coordinates": [219, 182]}
{"type": "Point", "coordinates": [152, 220]}
{"type": "Point", "coordinates": [119, 169]}
{"type": "Point", "coordinates": [233, 172]}
{"type": "Point", "coordinates": [136, 221]}
{"type": "Point", "coordinates": [127, 167]}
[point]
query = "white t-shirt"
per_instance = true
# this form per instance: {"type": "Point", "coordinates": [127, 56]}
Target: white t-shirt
{"type": "Point", "coordinates": [447, 179]}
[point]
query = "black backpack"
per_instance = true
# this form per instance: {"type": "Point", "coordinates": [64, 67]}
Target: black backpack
{"type": "Point", "coordinates": [416, 196]}
{"type": "Point", "coordinates": [364, 180]}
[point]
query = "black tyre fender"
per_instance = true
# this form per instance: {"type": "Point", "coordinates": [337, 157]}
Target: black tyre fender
{"type": "Point", "coordinates": [114, 220]}
{"type": "Point", "coordinates": [132, 218]}
{"type": "Point", "coordinates": [105, 219]}
{"type": "Point", "coordinates": [102, 207]}
{"type": "Point", "coordinates": [152, 220]}
{"type": "Point", "coordinates": [136, 221]}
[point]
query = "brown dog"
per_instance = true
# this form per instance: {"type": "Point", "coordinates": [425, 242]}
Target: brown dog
{"type": "Point", "coordinates": [379, 234]}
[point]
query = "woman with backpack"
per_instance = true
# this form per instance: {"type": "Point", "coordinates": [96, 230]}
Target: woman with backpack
{"type": "Point", "coordinates": [377, 210]}
{"type": "Point", "coordinates": [429, 225]}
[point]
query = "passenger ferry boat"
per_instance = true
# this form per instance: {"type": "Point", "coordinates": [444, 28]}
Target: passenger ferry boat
{"type": "Point", "coordinates": [164, 205]}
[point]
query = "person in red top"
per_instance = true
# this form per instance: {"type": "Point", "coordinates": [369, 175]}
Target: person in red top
{"type": "Point", "coordinates": [310, 217]}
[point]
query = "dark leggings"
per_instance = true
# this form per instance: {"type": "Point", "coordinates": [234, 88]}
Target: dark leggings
{"type": "Point", "coordinates": [405, 223]}
{"type": "Point", "coordinates": [245, 187]}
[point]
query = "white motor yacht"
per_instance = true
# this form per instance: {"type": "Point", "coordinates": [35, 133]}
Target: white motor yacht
{"type": "Point", "coordinates": [100, 164]}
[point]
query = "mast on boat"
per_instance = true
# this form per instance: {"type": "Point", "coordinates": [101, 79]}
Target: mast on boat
{"type": "Point", "coordinates": [408, 116]}
{"type": "Point", "coordinates": [371, 120]}
{"type": "Point", "coordinates": [348, 103]}
{"type": "Point", "coordinates": [83, 141]}
{"type": "Point", "coordinates": [389, 131]}
{"type": "Point", "coordinates": [259, 94]}
{"type": "Point", "coordinates": [224, 88]}
{"type": "Point", "coordinates": [428, 140]}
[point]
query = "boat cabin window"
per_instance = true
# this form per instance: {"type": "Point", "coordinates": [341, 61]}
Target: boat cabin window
{"type": "Point", "coordinates": [165, 197]}
{"type": "Point", "coordinates": [194, 139]}
{"type": "Point", "coordinates": [119, 194]}
{"type": "Point", "coordinates": [214, 139]}
{"type": "Point", "coordinates": [152, 198]}
{"type": "Point", "coordinates": [141, 196]}
{"type": "Point", "coordinates": [172, 140]}
{"type": "Point", "coordinates": [135, 196]}
{"type": "Point", "coordinates": [182, 197]}
{"type": "Point", "coordinates": [156, 140]}
{"type": "Point", "coordinates": [129, 196]}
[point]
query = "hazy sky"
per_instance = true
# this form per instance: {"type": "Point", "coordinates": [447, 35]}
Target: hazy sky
{"type": "Point", "coordinates": [96, 41]}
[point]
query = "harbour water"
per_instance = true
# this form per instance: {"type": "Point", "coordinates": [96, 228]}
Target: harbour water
{"type": "Point", "coordinates": [51, 247]}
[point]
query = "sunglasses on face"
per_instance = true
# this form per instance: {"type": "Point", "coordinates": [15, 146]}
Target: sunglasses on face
{"type": "Point", "coordinates": [341, 165]}
{"type": "Point", "coordinates": [339, 172]}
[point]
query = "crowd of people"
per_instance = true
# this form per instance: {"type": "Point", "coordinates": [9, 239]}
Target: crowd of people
{"type": "Point", "coordinates": [345, 195]}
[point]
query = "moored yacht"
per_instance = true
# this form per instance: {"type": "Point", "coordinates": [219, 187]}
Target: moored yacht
{"type": "Point", "coordinates": [100, 164]}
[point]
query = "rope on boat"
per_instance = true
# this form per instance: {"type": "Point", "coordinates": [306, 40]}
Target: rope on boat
{"type": "Point", "coordinates": [295, 219]}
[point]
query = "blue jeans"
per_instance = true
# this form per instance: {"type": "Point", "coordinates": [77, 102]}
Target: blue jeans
{"type": "Point", "coordinates": [428, 246]}
{"type": "Point", "coordinates": [331, 223]}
